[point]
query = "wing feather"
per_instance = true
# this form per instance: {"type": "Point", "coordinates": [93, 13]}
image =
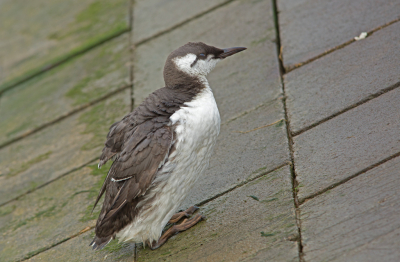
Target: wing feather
{"type": "Point", "coordinates": [139, 167]}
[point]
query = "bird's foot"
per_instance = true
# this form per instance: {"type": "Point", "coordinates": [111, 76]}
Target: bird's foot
{"type": "Point", "coordinates": [175, 229]}
{"type": "Point", "coordinates": [187, 213]}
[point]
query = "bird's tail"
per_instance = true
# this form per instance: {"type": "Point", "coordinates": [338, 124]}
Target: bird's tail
{"type": "Point", "coordinates": [100, 242]}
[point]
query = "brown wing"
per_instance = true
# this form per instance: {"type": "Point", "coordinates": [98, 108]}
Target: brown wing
{"type": "Point", "coordinates": [118, 134]}
{"type": "Point", "coordinates": [125, 135]}
{"type": "Point", "coordinates": [135, 167]}
{"type": "Point", "coordinates": [128, 179]}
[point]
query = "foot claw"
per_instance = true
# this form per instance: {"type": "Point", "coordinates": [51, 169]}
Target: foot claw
{"type": "Point", "coordinates": [187, 213]}
{"type": "Point", "coordinates": [175, 229]}
{"type": "Point", "coordinates": [191, 210]}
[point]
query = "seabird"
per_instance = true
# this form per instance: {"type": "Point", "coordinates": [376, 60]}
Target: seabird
{"type": "Point", "coordinates": [159, 150]}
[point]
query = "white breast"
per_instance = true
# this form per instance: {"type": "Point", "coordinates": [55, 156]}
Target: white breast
{"type": "Point", "coordinates": [198, 122]}
{"type": "Point", "coordinates": [197, 125]}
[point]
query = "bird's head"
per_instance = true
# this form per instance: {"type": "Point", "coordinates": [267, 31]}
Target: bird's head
{"type": "Point", "coordinates": [194, 61]}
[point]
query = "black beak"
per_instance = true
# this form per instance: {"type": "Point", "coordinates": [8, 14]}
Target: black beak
{"type": "Point", "coordinates": [231, 51]}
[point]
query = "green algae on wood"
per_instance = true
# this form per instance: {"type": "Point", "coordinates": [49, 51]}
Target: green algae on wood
{"type": "Point", "coordinates": [24, 166]}
{"type": "Point", "coordinates": [254, 197]}
{"type": "Point", "coordinates": [35, 252]}
{"type": "Point", "coordinates": [262, 169]}
{"type": "Point", "coordinates": [263, 234]}
{"type": "Point", "coordinates": [76, 83]}
{"type": "Point", "coordinates": [94, 190]}
{"type": "Point", "coordinates": [51, 213]}
{"type": "Point", "coordinates": [280, 123]}
{"type": "Point", "coordinates": [57, 36]}
{"type": "Point", "coordinates": [269, 200]}
{"type": "Point", "coordinates": [89, 19]}
{"type": "Point", "coordinates": [5, 210]}
{"type": "Point", "coordinates": [108, 71]}
{"type": "Point", "coordinates": [115, 246]}
{"type": "Point", "coordinates": [104, 113]}
{"type": "Point", "coordinates": [43, 213]}
{"type": "Point", "coordinates": [67, 154]}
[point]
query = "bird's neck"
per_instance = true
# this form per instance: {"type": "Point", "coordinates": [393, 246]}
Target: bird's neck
{"type": "Point", "coordinates": [184, 82]}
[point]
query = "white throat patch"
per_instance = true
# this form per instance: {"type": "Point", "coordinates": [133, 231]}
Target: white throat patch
{"type": "Point", "coordinates": [202, 67]}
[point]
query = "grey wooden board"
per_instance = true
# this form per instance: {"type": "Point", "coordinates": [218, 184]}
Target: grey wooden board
{"type": "Point", "coordinates": [343, 78]}
{"type": "Point", "coordinates": [77, 249]}
{"type": "Point", "coordinates": [310, 27]}
{"type": "Point", "coordinates": [347, 144]}
{"type": "Point", "coordinates": [356, 221]}
{"type": "Point", "coordinates": [165, 14]}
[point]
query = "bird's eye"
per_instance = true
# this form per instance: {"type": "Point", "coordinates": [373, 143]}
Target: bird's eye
{"type": "Point", "coordinates": [202, 55]}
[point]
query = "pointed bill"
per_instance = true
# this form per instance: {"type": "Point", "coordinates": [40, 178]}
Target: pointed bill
{"type": "Point", "coordinates": [231, 51]}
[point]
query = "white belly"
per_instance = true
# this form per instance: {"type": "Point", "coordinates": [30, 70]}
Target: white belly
{"type": "Point", "coordinates": [197, 126]}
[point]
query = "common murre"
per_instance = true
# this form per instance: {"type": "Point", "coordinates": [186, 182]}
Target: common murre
{"type": "Point", "coordinates": [159, 151]}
